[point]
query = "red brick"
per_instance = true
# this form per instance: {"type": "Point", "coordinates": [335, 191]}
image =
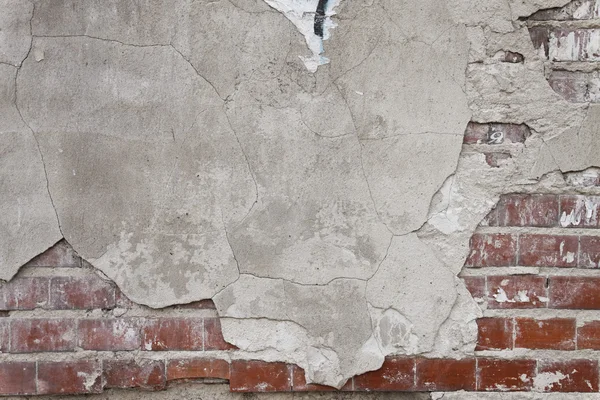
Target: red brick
{"type": "Point", "coordinates": [572, 86]}
{"type": "Point", "coordinates": [214, 337]}
{"type": "Point", "coordinates": [445, 375]}
{"type": "Point", "coordinates": [197, 368]}
{"type": "Point", "coordinates": [59, 255]}
{"type": "Point", "coordinates": [539, 210]}
{"type": "Point", "coordinates": [554, 334]}
{"type": "Point", "coordinates": [259, 376]}
{"type": "Point", "coordinates": [83, 293]}
{"type": "Point", "coordinates": [505, 375]}
{"type": "Point", "coordinates": [483, 133]}
{"type": "Point", "coordinates": [589, 251]}
{"type": "Point", "coordinates": [573, 376]}
{"type": "Point", "coordinates": [69, 377]}
{"type": "Point", "coordinates": [476, 286]}
{"type": "Point", "coordinates": [109, 334]}
{"type": "Point", "coordinates": [588, 336]}
{"type": "Point", "coordinates": [396, 373]}
{"type": "Point", "coordinates": [17, 378]}
{"type": "Point", "coordinates": [173, 334]}
{"type": "Point", "coordinates": [494, 334]}
{"type": "Point", "coordinates": [548, 250]}
{"type": "Point", "coordinates": [37, 335]}
{"type": "Point", "coordinates": [517, 291]}
{"type": "Point", "coordinates": [579, 211]}
{"type": "Point", "coordinates": [143, 374]}
{"type": "Point", "coordinates": [575, 292]}
{"type": "Point", "coordinates": [24, 293]}
{"type": "Point", "coordinates": [476, 133]}
{"type": "Point", "coordinates": [540, 36]}
{"type": "Point", "coordinates": [299, 383]}
{"type": "Point", "coordinates": [492, 250]}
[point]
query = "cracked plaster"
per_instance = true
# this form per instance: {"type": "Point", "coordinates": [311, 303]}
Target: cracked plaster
{"type": "Point", "coordinates": [185, 151]}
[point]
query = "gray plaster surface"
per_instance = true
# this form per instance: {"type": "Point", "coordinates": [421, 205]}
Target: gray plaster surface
{"type": "Point", "coordinates": [186, 150]}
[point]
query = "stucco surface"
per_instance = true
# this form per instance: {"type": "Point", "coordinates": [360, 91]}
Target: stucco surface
{"type": "Point", "coordinates": [188, 151]}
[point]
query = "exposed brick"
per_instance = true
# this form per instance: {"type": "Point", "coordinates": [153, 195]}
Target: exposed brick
{"type": "Point", "coordinates": [109, 334]}
{"type": "Point", "coordinates": [570, 85]}
{"type": "Point", "coordinates": [494, 334]}
{"type": "Point", "coordinates": [505, 375]}
{"type": "Point", "coordinates": [122, 301]}
{"type": "Point", "coordinates": [579, 211]}
{"type": "Point", "coordinates": [496, 133]}
{"type": "Point", "coordinates": [299, 383]}
{"type": "Point", "coordinates": [517, 291]}
{"type": "Point", "coordinates": [17, 378]}
{"type": "Point", "coordinates": [538, 210]}
{"type": "Point", "coordinates": [568, 44]}
{"type": "Point", "coordinates": [59, 255]}
{"type": "Point", "coordinates": [214, 337]}
{"type": "Point", "coordinates": [69, 377]}
{"type": "Point", "coordinates": [548, 250]}
{"type": "Point", "coordinates": [24, 293]}
{"type": "Point", "coordinates": [540, 36]}
{"type": "Point", "coordinates": [259, 376]}
{"type": "Point", "coordinates": [575, 292]}
{"type": "Point", "coordinates": [589, 251]}
{"type": "Point", "coordinates": [567, 376]}
{"type": "Point", "coordinates": [492, 250]}
{"type": "Point", "coordinates": [197, 368]}
{"type": "Point", "coordinates": [173, 334]}
{"type": "Point", "coordinates": [513, 57]}
{"type": "Point", "coordinates": [476, 286]}
{"type": "Point", "coordinates": [588, 336]}
{"type": "Point", "coordinates": [37, 335]}
{"type": "Point", "coordinates": [554, 334]}
{"type": "Point", "coordinates": [445, 374]}
{"type": "Point", "coordinates": [83, 293]}
{"type": "Point", "coordinates": [143, 374]}
{"type": "Point", "coordinates": [476, 133]}
{"type": "Point", "coordinates": [396, 373]}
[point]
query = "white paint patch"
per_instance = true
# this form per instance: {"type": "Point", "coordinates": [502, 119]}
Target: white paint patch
{"type": "Point", "coordinates": [302, 14]}
{"type": "Point", "coordinates": [545, 380]}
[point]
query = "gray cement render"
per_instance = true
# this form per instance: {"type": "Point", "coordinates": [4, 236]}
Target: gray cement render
{"type": "Point", "coordinates": [184, 149]}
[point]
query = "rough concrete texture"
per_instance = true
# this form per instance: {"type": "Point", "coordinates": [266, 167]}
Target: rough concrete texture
{"type": "Point", "coordinates": [189, 153]}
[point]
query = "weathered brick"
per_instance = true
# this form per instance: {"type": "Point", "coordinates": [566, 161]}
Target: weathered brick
{"type": "Point", "coordinates": [476, 286]}
{"type": "Point", "coordinates": [505, 375]}
{"type": "Point", "coordinates": [579, 211]}
{"type": "Point", "coordinates": [517, 291]}
{"type": "Point", "coordinates": [567, 376]}
{"type": "Point", "coordinates": [589, 251]}
{"type": "Point", "coordinates": [396, 373]}
{"type": "Point", "coordinates": [588, 336]}
{"type": "Point", "coordinates": [72, 377]}
{"type": "Point", "coordinates": [476, 133]}
{"type": "Point", "coordinates": [567, 44]}
{"type": "Point", "coordinates": [445, 374]}
{"type": "Point", "coordinates": [494, 334]}
{"type": "Point", "coordinates": [299, 383]}
{"type": "Point", "coordinates": [492, 250]}
{"type": "Point", "coordinates": [570, 85]}
{"type": "Point", "coordinates": [109, 334]}
{"type": "Point", "coordinates": [575, 292]}
{"type": "Point", "coordinates": [122, 301]}
{"type": "Point", "coordinates": [4, 335]}
{"type": "Point", "coordinates": [59, 255]}
{"type": "Point", "coordinates": [142, 374]}
{"type": "Point", "coordinates": [548, 250]}
{"type": "Point", "coordinates": [214, 337]}
{"type": "Point", "coordinates": [259, 376]}
{"type": "Point", "coordinates": [24, 293]}
{"type": "Point", "coordinates": [540, 36]}
{"type": "Point", "coordinates": [537, 210]}
{"type": "Point", "coordinates": [197, 368]}
{"type": "Point", "coordinates": [37, 335]}
{"type": "Point", "coordinates": [554, 334]}
{"type": "Point", "coordinates": [173, 334]}
{"type": "Point", "coordinates": [496, 133]}
{"type": "Point", "coordinates": [83, 293]}
{"type": "Point", "coordinates": [17, 378]}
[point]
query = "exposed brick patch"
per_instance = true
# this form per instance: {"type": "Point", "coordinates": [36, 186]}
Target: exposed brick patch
{"type": "Point", "coordinates": [575, 292]}
{"type": "Point", "coordinates": [493, 250]}
{"type": "Point", "coordinates": [476, 286]}
{"type": "Point", "coordinates": [555, 334]}
{"type": "Point", "coordinates": [35, 335]}
{"type": "Point", "coordinates": [109, 334]}
{"type": "Point", "coordinates": [173, 334]}
{"type": "Point", "coordinates": [568, 376]}
{"type": "Point", "coordinates": [214, 337]}
{"type": "Point", "coordinates": [538, 210]}
{"type": "Point", "coordinates": [259, 376]}
{"type": "Point", "coordinates": [396, 373]}
{"type": "Point", "coordinates": [548, 250]}
{"type": "Point", "coordinates": [17, 378]}
{"type": "Point", "coordinates": [24, 293]}
{"type": "Point", "coordinates": [495, 133]}
{"type": "Point", "coordinates": [588, 336]}
{"type": "Point", "coordinates": [143, 374]}
{"type": "Point", "coordinates": [589, 251]}
{"type": "Point", "coordinates": [75, 377]}
{"type": "Point", "coordinates": [494, 334]}
{"type": "Point", "coordinates": [197, 368]}
{"type": "Point", "coordinates": [517, 291]}
{"type": "Point", "coordinates": [82, 293]}
{"type": "Point", "coordinates": [59, 255]}
{"type": "Point", "coordinates": [445, 375]}
{"type": "Point", "coordinates": [505, 375]}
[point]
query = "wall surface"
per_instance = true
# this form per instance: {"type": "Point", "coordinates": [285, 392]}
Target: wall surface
{"type": "Point", "coordinates": [297, 195]}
